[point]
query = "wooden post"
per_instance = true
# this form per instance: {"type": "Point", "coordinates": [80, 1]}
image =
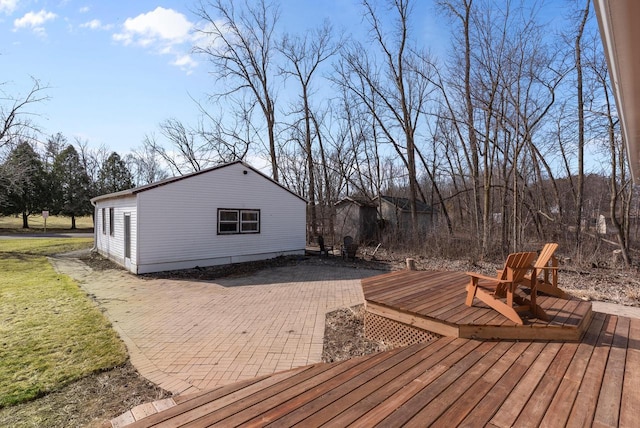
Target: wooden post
{"type": "Point", "coordinates": [411, 264]}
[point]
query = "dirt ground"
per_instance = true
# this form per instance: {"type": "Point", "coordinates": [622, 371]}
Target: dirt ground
{"type": "Point", "coordinates": [344, 336]}
{"type": "Point", "coordinates": [100, 397]}
{"type": "Point", "coordinates": [88, 402]}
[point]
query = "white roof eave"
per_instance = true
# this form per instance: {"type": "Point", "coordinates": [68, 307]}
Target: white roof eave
{"type": "Point", "coordinates": [620, 32]}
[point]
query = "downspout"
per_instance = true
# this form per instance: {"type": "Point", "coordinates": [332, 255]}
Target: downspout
{"type": "Point", "coordinates": [95, 235]}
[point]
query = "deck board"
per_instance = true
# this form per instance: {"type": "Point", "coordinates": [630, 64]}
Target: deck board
{"type": "Point", "coordinates": [397, 393]}
{"type": "Point", "coordinates": [587, 399]}
{"type": "Point", "coordinates": [445, 382]}
{"type": "Point", "coordinates": [630, 400]}
{"type": "Point", "coordinates": [425, 298]}
{"type": "Point", "coordinates": [533, 411]}
{"type": "Point", "coordinates": [440, 404]}
{"type": "Point", "coordinates": [562, 402]}
{"type": "Point", "coordinates": [608, 409]}
{"type": "Point", "coordinates": [470, 397]}
{"type": "Point", "coordinates": [281, 395]}
{"type": "Point", "coordinates": [315, 403]}
{"type": "Point", "coordinates": [465, 360]}
{"type": "Point", "coordinates": [523, 391]}
{"type": "Point", "coordinates": [459, 380]}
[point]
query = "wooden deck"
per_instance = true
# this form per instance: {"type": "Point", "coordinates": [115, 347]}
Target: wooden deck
{"type": "Point", "coordinates": [445, 382]}
{"type": "Point", "coordinates": [435, 301]}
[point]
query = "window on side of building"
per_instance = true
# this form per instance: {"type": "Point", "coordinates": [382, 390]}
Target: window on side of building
{"type": "Point", "coordinates": [233, 221]}
{"type": "Point", "coordinates": [249, 221]}
{"type": "Point", "coordinates": [227, 221]}
{"type": "Point", "coordinates": [111, 221]}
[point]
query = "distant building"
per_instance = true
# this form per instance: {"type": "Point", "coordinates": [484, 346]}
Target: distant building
{"type": "Point", "coordinates": [396, 213]}
{"type": "Point", "coordinates": [358, 218]}
{"type": "Point", "coordinates": [226, 214]}
{"type": "Point", "coordinates": [363, 219]}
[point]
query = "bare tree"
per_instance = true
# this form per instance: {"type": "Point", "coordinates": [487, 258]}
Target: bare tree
{"type": "Point", "coordinates": [620, 185]}
{"type": "Point", "coordinates": [581, 118]}
{"type": "Point", "coordinates": [91, 159]}
{"type": "Point", "coordinates": [240, 44]}
{"type": "Point", "coordinates": [228, 138]}
{"type": "Point", "coordinates": [305, 55]}
{"type": "Point", "coordinates": [402, 88]}
{"type": "Point", "coordinates": [462, 11]}
{"type": "Point", "coordinates": [145, 165]}
{"type": "Point", "coordinates": [186, 150]}
{"type": "Point", "coordinates": [15, 117]}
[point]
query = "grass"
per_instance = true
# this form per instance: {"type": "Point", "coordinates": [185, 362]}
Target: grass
{"type": "Point", "coordinates": [13, 224]}
{"type": "Point", "coordinates": [50, 332]}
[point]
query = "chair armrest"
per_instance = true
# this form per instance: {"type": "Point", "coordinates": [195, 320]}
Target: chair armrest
{"type": "Point", "coordinates": [488, 278]}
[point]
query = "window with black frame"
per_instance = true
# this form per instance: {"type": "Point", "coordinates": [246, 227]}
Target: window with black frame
{"type": "Point", "coordinates": [112, 222]}
{"type": "Point", "coordinates": [238, 221]}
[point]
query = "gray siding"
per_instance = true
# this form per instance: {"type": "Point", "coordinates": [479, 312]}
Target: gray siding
{"type": "Point", "coordinates": [356, 221]}
{"type": "Point", "coordinates": [113, 246]}
{"type": "Point", "coordinates": [177, 223]}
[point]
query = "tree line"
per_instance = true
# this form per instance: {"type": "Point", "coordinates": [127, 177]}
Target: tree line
{"type": "Point", "coordinates": [61, 180]}
{"type": "Point", "coordinates": [497, 134]}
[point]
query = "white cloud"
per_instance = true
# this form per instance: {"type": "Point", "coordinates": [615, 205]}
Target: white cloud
{"type": "Point", "coordinates": [164, 31]}
{"type": "Point", "coordinates": [8, 6]}
{"type": "Point", "coordinates": [161, 26]}
{"type": "Point", "coordinates": [96, 24]}
{"type": "Point", "coordinates": [186, 63]}
{"type": "Point", "coordinates": [34, 20]}
{"type": "Point", "coordinates": [84, 9]}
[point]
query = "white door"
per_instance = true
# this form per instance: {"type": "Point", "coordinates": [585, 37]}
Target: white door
{"type": "Point", "coordinates": [127, 240]}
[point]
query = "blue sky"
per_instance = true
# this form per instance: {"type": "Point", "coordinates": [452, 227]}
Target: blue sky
{"type": "Point", "coordinates": [118, 68]}
{"type": "Point", "coordinates": [115, 69]}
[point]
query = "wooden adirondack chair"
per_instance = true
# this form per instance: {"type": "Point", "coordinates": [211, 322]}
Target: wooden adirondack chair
{"type": "Point", "coordinates": [547, 265]}
{"type": "Point", "coordinates": [499, 292]}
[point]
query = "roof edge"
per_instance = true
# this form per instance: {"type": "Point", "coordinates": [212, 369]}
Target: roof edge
{"type": "Point", "coordinates": [144, 188]}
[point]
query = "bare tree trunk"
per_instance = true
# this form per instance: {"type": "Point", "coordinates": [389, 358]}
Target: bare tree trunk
{"type": "Point", "coordinates": [436, 190]}
{"type": "Point", "coordinates": [471, 132]}
{"type": "Point", "coordinates": [581, 133]}
{"type": "Point", "coordinates": [328, 198]}
{"type": "Point", "coordinates": [305, 56]}
{"type": "Point", "coordinates": [615, 194]}
{"type": "Point", "coordinates": [310, 164]}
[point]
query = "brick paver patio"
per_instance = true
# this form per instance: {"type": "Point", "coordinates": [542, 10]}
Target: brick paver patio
{"type": "Point", "coordinates": [188, 336]}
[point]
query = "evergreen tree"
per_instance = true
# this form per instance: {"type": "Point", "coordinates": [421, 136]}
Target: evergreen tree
{"type": "Point", "coordinates": [22, 183]}
{"type": "Point", "coordinates": [114, 175]}
{"type": "Point", "coordinates": [54, 145]}
{"type": "Point", "coordinates": [72, 186]}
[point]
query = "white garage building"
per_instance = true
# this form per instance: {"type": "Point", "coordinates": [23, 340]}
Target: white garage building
{"type": "Point", "coordinates": [226, 214]}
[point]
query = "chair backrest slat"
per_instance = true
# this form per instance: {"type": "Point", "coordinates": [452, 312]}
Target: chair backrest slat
{"type": "Point", "coordinates": [517, 265]}
{"type": "Point", "coordinates": [545, 255]}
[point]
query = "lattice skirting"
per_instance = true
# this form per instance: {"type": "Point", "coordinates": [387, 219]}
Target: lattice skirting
{"type": "Point", "coordinates": [393, 332]}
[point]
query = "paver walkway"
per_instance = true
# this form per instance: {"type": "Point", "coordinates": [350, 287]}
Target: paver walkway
{"type": "Point", "coordinates": [188, 336]}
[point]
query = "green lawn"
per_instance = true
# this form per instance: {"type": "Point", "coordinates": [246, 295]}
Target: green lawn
{"type": "Point", "coordinates": [36, 224]}
{"type": "Point", "coordinates": [51, 333]}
